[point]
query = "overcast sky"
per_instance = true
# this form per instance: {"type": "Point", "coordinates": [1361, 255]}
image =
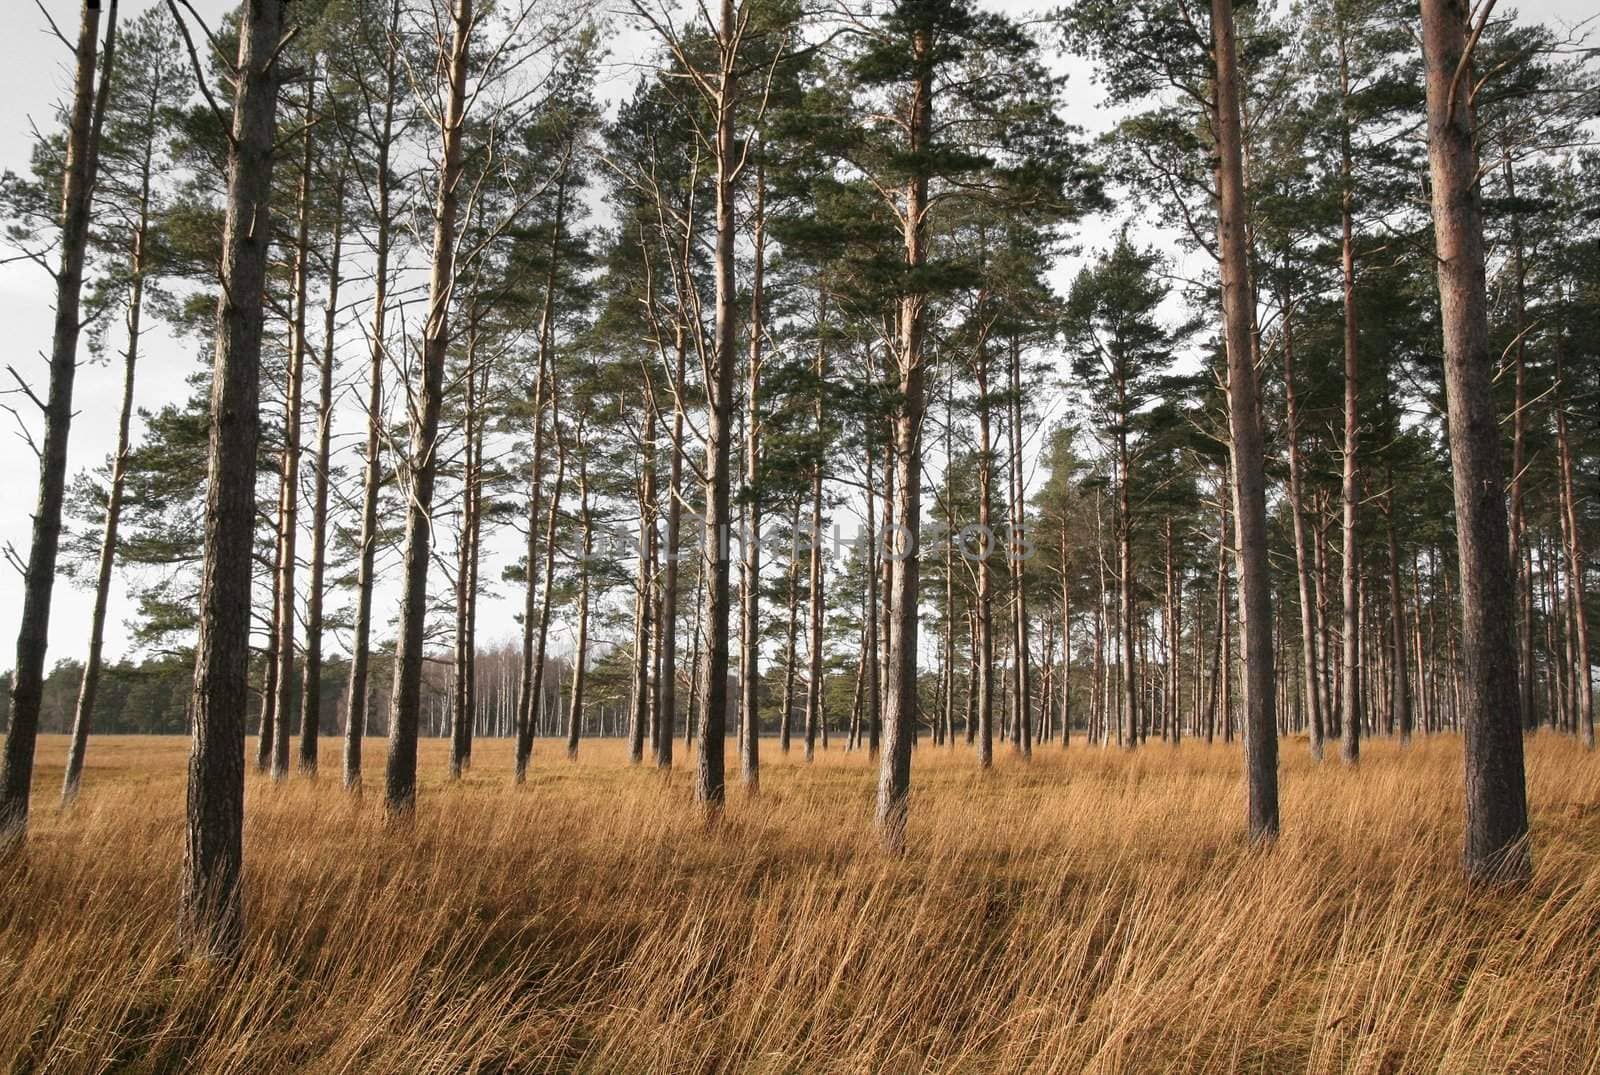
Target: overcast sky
{"type": "Point", "coordinates": [33, 76]}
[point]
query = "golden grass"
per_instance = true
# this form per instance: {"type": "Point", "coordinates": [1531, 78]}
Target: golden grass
{"type": "Point", "coordinates": [1087, 912]}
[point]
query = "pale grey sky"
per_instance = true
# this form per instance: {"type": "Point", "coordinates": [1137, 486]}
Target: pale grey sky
{"type": "Point", "coordinates": [33, 76]}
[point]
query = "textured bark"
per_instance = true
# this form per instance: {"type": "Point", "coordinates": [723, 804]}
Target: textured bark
{"type": "Point", "coordinates": [1244, 421]}
{"type": "Point", "coordinates": [33, 630]}
{"type": "Point", "coordinates": [400, 786]}
{"type": "Point", "coordinates": [708, 785]}
{"type": "Point", "coordinates": [1497, 811]}
{"type": "Point", "coordinates": [210, 910]}
{"type": "Point", "coordinates": [900, 710]}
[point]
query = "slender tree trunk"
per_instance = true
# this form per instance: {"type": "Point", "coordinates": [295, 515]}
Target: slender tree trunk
{"type": "Point", "coordinates": [1497, 809]}
{"type": "Point", "coordinates": [1244, 420]}
{"type": "Point", "coordinates": [83, 716]}
{"type": "Point", "coordinates": [1521, 559]}
{"type": "Point", "coordinates": [1400, 701]}
{"type": "Point", "coordinates": [1023, 686]}
{"type": "Point", "coordinates": [210, 909]}
{"type": "Point", "coordinates": [400, 790]}
{"type": "Point", "coordinates": [357, 703]}
{"type": "Point", "coordinates": [580, 653]}
{"type": "Point", "coordinates": [900, 715]}
{"type": "Point", "coordinates": [289, 462]}
{"type": "Point", "coordinates": [1310, 661]}
{"type": "Point", "coordinates": [466, 587]}
{"type": "Point", "coordinates": [814, 598]}
{"type": "Point", "coordinates": [750, 547]}
{"type": "Point", "coordinates": [1582, 672]}
{"type": "Point", "coordinates": [311, 689]}
{"type": "Point", "coordinates": [666, 700]}
{"type": "Point", "coordinates": [1350, 692]}
{"type": "Point", "coordinates": [644, 614]}
{"type": "Point", "coordinates": [33, 630]}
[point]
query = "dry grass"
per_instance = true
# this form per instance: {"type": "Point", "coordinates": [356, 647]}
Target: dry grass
{"type": "Point", "coordinates": [1090, 912]}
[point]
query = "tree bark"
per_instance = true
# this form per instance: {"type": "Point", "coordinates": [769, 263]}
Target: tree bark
{"type": "Point", "coordinates": [1497, 811]}
{"type": "Point", "coordinates": [900, 712]}
{"type": "Point", "coordinates": [400, 787]}
{"type": "Point", "coordinates": [1244, 419]}
{"type": "Point", "coordinates": [33, 630]}
{"type": "Point", "coordinates": [210, 908]}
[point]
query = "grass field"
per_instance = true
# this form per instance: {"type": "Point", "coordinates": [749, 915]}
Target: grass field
{"type": "Point", "coordinates": [1087, 912]}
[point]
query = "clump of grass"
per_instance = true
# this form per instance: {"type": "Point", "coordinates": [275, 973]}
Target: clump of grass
{"type": "Point", "coordinates": [1090, 911]}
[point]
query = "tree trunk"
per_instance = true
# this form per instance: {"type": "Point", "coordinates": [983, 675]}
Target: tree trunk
{"type": "Point", "coordinates": [1350, 553]}
{"type": "Point", "coordinates": [1309, 659]}
{"type": "Point", "coordinates": [210, 909]}
{"type": "Point", "coordinates": [900, 714]}
{"type": "Point", "coordinates": [289, 462]}
{"type": "Point", "coordinates": [1244, 420]}
{"type": "Point", "coordinates": [357, 698]}
{"type": "Point", "coordinates": [1582, 672]}
{"type": "Point", "coordinates": [83, 716]}
{"type": "Point", "coordinates": [311, 690]}
{"type": "Point", "coordinates": [1023, 742]}
{"type": "Point", "coordinates": [1497, 809]}
{"type": "Point", "coordinates": [985, 570]}
{"type": "Point", "coordinates": [400, 788]}
{"type": "Point", "coordinates": [814, 598]}
{"type": "Point", "coordinates": [33, 630]}
{"type": "Point", "coordinates": [644, 613]}
{"type": "Point", "coordinates": [580, 652]}
{"type": "Point", "coordinates": [750, 547]}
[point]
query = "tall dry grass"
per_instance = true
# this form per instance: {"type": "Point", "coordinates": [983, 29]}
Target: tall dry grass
{"type": "Point", "coordinates": [1087, 912]}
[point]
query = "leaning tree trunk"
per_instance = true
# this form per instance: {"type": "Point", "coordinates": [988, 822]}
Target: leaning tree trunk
{"type": "Point", "coordinates": [400, 790]}
{"type": "Point", "coordinates": [210, 909]}
{"type": "Point", "coordinates": [1497, 807]}
{"type": "Point", "coordinates": [88, 688]}
{"type": "Point", "coordinates": [33, 630]}
{"type": "Point", "coordinates": [1244, 420]}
